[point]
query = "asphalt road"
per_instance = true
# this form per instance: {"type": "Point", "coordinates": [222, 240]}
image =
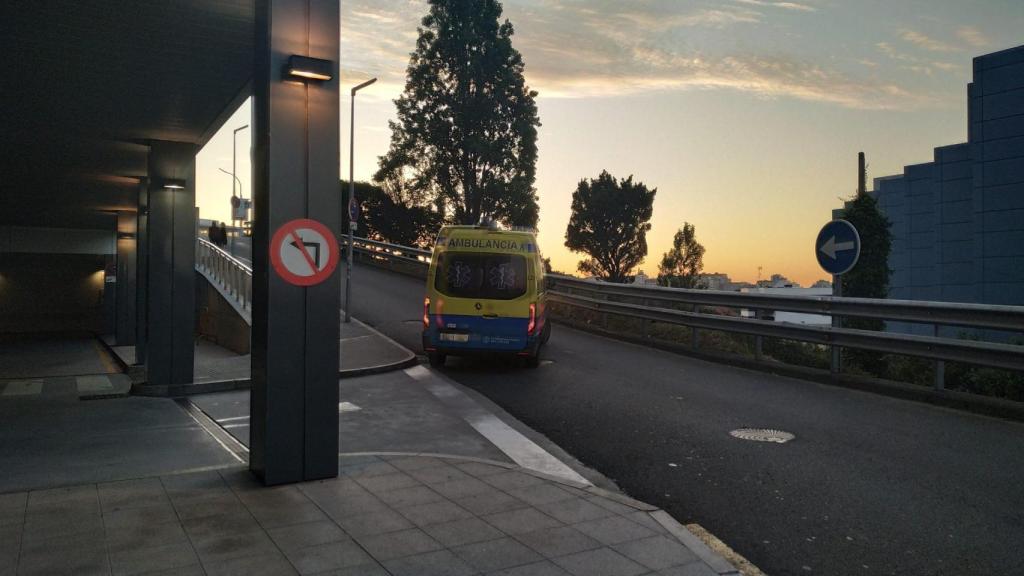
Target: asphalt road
{"type": "Point", "coordinates": [871, 485]}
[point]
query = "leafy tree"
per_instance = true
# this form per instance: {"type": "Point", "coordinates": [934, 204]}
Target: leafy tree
{"type": "Point", "coordinates": [681, 266]}
{"type": "Point", "coordinates": [609, 222]}
{"type": "Point", "coordinates": [466, 134]}
{"type": "Point", "coordinates": [870, 277]}
{"type": "Point", "coordinates": [389, 219]}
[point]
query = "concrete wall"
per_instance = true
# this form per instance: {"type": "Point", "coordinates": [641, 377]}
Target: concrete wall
{"type": "Point", "coordinates": [218, 321]}
{"type": "Point", "coordinates": [51, 292]}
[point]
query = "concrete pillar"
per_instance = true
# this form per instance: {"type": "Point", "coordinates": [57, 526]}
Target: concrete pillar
{"type": "Point", "coordinates": [142, 272]}
{"type": "Point", "coordinates": [170, 276]}
{"type": "Point", "coordinates": [294, 418]}
{"type": "Point", "coordinates": [127, 238]}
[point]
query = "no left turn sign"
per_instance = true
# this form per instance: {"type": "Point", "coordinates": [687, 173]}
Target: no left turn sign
{"type": "Point", "coordinates": [303, 252]}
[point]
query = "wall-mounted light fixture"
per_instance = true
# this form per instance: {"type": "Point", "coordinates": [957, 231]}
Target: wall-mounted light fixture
{"type": "Point", "coordinates": [306, 68]}
{"type": "Point", "coordinates": [126, 236]}
{"type": "Point", "coordinates": [174, 184]}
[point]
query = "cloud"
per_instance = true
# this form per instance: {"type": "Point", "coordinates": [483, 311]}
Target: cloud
{"type": "Point", "coordinates": [972, 37]}
{"type": "Point", "coordinates": [783, 5]}
{"type": "Point", "coordinates": [922, 41]}
{"type": "Point", "coordinates": [595, 48]}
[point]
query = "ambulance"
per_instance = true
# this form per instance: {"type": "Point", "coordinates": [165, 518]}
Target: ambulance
{"type": "Point", "coordinates": [485, 294]}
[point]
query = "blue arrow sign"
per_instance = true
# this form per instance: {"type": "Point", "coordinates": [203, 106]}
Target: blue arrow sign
{"type": "Point", "coordinates": [353, 209]}
{"type": "Point", "coordinates": [837, 247]}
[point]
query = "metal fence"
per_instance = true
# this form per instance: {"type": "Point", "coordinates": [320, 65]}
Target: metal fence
{"type": "Point", "coordinates": [225, 270]}
{"type": "Point", "coordinates": [696, 309]}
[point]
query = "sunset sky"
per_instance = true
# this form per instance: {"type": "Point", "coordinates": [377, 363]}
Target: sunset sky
{"type": "Point", "coordinates": [746, 115]}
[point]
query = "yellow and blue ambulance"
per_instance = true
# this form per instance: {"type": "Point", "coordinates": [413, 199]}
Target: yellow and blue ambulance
{"type": "Point", "coordinates": [485, 293]}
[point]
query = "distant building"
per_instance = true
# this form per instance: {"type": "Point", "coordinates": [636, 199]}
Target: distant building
{"type": "Point", "coordinates": [716, 281]}
{"type": "Point", "coordinates": [958, 222]}
{"type": "Point", "coordinates": [791, 317]}
{"type": "Point", "coordinates": [822, 284]}
{"type": "Point", "coordinates": [642, 279]}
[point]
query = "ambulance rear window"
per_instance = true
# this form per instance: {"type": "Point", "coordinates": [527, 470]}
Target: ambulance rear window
{"type": "Point", "coordinates": [481, 275]}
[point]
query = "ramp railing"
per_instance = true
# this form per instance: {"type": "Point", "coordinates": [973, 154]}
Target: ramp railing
{"type": "Point", "coordinates": [231, 275]}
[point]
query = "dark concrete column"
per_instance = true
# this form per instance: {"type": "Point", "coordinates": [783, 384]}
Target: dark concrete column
{"type": "Point", "coordinates": [142, 272]}
{"type": "Point", "coordinates": [170, 277]}
{"type": "Point", "coordinates": [294, 425]}
{"type": "Point", "coordinates": [127, 238]}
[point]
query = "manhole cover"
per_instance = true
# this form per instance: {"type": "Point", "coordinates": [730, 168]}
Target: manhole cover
{"type": "Point", "coordinates": [762, 435]}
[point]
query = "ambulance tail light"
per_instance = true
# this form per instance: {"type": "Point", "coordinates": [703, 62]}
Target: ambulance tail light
{"type": "Point", "coordinates": [533, 319]}
{"type": "Point", "coordinates": [426, 313]}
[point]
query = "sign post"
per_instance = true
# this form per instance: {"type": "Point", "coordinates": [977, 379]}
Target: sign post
{"type": "Point", "coordinates": [353, 217]}
{"type": "Point", "coordinates": [837, 249]}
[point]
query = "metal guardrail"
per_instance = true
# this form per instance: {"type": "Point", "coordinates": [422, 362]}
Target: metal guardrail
{"type": "Point", "coordinates": [232, 274]}
{"type": "Point", "coordinates": [659, 304]}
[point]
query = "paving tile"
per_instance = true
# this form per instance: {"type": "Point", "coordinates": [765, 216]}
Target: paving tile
{"type": "Point", "coordinates": [575, 510]}
{"type": "Point", "coordinates": [298, 512]}
{"type": "Point", "coordinates": [159, 513]}
{"type": "Point", "coordinates": [461, 488]}
{"type": "Point", "coordinates": [367, 469]}
{"type": "Point", "coordinates": [644, 519]}
{"type": "Point", "coordinates": [465, 531]}
{"type": "Point", "coordinates": [130, 494]}
{"type": "Point", "coordinates": [521, 521]}
{"type": "Point", "coordinates": [599, 562]}
{"type": "Point", "coordinates": [63, 498]}
{"type": "Point", "coordinates": [657, 553]}
{"type": "Point", "coordinates": [330, 556]}
{"type": "Point", "coordinates": [145, 536]}
{"type": "Point", "coordinates": [226, 545]}
{"type": "Point", "coordinates": [693, 569]}
{"type": "Point", "coordinates": [254, 565]}
{"type": "Point", "coordinates": [613, 530]}
{"type": "Point", "coordinates": [538, 494]}
{"type": "Point", "coordinates": [543, 568]}
{"type": "Point", "coordinates": [410, 496]}
{"type": "Point", "coordinates": [371, 569]}
{"type": "Point", "coordinates": [407, 463]}
{"type": "Point", "coordinates": [510, 480]}
{"type": "Point", "coordinates": [491, 502]}
{"type": "Point", "coordinates": [385, 482]}
{"type": "Point", "coordinates": [127, 561]}
{"type": "Point", "coordinates": [213, 503]}
{"type": "Point", "coordinates": [392, 545]}
{"type": "Point", "coordinates": [77, 555]}
{"type": "Point", "coordinates": [438, 474]}
{"type": "Point", "coordinates": [374, 523]}
{"type": "Point", "coordinates": [434, 513]}
{"type": "Point", "coordinates": [561, 541]}
{"type": "Point", "coordinates": [297, 536]}
{"type": "Point", "coordinates": [12, 508]}
{"type": "Point", "coordinates": [241, 480]}
{"type": "Point", "coordinates": [178, 486]}
{"type": "Point", "coordinates": [63, 523]}
{"type": "Point", "coordinates": [496, 554]}
{"type": "Point", "coordinates": [479, 469]}
{"type": "Point", "coordinates": [438, 563]}
{"type": "Point", "coordinates": [193, 570]}
{"type": "Point", "coordinates": [199, 528]}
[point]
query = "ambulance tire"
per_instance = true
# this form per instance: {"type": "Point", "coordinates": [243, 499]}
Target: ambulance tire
{"type": "Point", "coordinates": [547, 333]}
{"type": "Point", "coordinates": [437, 359]}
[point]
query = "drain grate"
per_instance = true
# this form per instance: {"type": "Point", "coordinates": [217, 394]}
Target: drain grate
{"type": "Point", "coordinates": [762, 435]}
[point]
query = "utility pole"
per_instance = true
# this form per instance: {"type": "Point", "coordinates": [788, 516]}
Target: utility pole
{"type": "Point", "coordinates": [351, 199]}
{"type": "Point", "coordinates": [862, 175]}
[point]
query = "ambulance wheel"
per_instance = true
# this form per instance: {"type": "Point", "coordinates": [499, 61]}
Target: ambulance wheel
{"type": "Point", "coordinates": [547, 333]}
{"type": "Point", "coordinates": [437, 359]}
{"type": "Point", "coordinates": [533, 360]}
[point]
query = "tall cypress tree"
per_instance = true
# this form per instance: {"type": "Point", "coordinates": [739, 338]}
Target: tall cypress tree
{"type": "Point", "coordinates": [466, 134]}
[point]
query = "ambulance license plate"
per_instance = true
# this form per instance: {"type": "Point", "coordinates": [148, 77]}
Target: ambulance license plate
{"type": "Point", "coordinates": [453, 337]}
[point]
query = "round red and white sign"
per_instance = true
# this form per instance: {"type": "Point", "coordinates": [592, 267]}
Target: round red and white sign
{"type": "Point", "coordinates": [304, 252]}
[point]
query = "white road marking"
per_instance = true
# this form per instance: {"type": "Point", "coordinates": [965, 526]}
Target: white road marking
{"type": "Point", "coordinates": [23, 388]}
{"type": "Point", "coordinates": [347, 407]}
{"type": "Point", "coordinates": [232, 419]}
{"type": "Point", "coordinates": [518, 447]}
{"type": "Point", "coordinates": [95, 383]}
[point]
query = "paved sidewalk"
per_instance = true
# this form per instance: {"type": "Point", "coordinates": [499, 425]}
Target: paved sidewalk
{"type": "Point", "coordinates": [397, 515]}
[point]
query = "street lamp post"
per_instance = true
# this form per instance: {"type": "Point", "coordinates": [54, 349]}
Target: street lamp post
{"type": "Point", "coordinates": [234, 154]}
{"type": "Point", "coordinates": [351, 198]}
